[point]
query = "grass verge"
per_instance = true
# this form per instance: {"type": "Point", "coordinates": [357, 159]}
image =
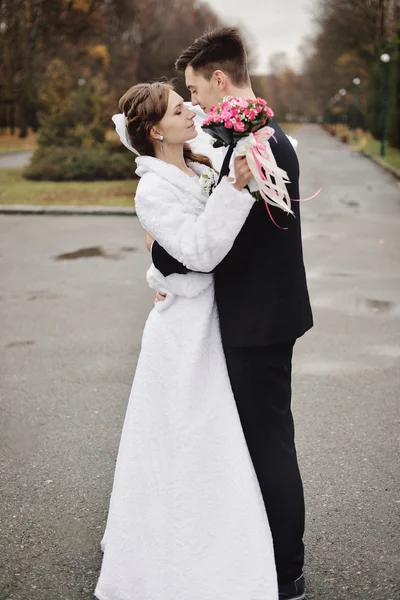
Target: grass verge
{"type": "Point", "coordinates": [392, 155]}
{"type": "Point", "coordinates": [365, 142]}
{"type": "Point", "coordinates": [14, 189]}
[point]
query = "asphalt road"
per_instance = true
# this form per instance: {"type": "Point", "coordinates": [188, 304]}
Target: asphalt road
{"type": "Point", "coordinates": [73, 302]}
{"type": "Point", "coordinates": [15, 159]}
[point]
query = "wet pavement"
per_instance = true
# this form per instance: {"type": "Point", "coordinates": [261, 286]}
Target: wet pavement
{"type": "Point", "coordinates": [73, 302]}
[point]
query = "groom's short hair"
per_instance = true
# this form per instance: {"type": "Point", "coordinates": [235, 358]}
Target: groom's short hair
{"type": "Point", "coordinates": [220, 48]}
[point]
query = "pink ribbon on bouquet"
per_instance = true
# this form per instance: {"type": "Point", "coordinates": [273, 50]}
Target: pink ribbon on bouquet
{"type": "Point", "coordinates": [263, 165]}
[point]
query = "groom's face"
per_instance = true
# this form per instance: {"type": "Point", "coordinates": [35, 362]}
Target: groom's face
{"type": "Point", "coordinates": [204, 93]}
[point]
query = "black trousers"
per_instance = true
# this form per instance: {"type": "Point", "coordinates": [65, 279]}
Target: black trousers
{"type": "Point", "coordinates": [261, 384]}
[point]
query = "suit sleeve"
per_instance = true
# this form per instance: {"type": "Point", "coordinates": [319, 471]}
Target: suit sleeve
{"type": "Point", "coordinates": [166, 263]}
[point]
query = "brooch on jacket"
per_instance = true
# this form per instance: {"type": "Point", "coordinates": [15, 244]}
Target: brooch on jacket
{"type": "Point", "coordinates": [208, 181]}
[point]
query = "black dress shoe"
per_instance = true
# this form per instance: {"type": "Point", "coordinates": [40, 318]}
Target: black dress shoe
{"type": "Point", "coordinates": [293, 591]}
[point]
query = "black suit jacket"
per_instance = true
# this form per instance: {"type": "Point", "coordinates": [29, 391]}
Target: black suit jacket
{"type": "Point", "coordinates": [260, 286]}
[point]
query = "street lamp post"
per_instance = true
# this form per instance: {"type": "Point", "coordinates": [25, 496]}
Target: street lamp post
{"type": "Point", "coordinates": [342, 92]}
{"type": "Point", "coordinates": [356, 82]}
{"type": "Point", "coordinates": [385, 59]}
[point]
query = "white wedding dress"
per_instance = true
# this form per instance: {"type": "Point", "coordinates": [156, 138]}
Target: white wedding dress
{"type": "Point", "coordinates": [186, 518]}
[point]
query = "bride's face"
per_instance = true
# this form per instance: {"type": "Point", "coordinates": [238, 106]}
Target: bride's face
{"type": "Point", "coordinates": [177, 125]}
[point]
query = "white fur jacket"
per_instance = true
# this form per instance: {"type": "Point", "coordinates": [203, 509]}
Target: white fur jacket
{"type": "Point", "coordinates": [196, 229]}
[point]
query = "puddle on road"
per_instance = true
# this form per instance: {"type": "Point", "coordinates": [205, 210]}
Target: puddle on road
{"type": "Point", "coordinates": [94, 252]}
{"type": "Point", "coordinates": [43, 295]}
{"type": "Point", "coordinates": [20, 344]}
{"type": "Point", "coordinates": [91, 252]}
{"type": "Point", "coordinates": [380, 306]}
{"type": "Point", "coordinates": [356, 304]}
{"type": "Point", "coordinates": [351, 203]}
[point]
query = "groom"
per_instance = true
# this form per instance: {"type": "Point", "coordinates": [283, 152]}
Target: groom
{"type": "Point", "coordinates": [263, 305]}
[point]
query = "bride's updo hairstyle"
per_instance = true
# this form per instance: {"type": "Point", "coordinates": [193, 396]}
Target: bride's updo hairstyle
{"type": "Point", "coordinates": [144, 105]}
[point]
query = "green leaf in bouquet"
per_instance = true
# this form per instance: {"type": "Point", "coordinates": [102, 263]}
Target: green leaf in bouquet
{"type": "Point", "coordinates": [218, 144]}
{"type": "Point", "coordinates": [220, 133]}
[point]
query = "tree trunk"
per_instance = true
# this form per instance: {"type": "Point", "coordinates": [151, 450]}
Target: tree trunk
{"type": "Point", "coordinates": [23, 120]}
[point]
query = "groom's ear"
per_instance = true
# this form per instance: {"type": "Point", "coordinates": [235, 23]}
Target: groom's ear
{"type": "Point", "coordinates": [221, 79]}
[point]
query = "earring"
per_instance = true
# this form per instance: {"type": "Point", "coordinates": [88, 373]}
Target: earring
{"type": "Point", "coordinates": [162, 146]}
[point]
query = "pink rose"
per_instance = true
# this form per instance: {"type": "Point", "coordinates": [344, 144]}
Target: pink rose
{"type": "Point", "coordinates": [243, 103]}
{"type": "Point", "coordinates": [239, 126]}
{"type": "Point", "coordinates": [228, 124]}
{"type": "Point", "coordinates": [270, 112]}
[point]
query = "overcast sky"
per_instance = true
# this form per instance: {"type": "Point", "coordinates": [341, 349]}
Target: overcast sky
{"type": "Point", "coordinates": [274, 25]}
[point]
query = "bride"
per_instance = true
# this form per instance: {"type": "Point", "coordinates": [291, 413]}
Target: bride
{"type": "Point", "coordinates": [186, 518]}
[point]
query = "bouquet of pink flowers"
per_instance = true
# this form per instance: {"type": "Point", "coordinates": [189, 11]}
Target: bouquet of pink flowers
{"type": "Point", "coordinates": [243, 124]}
{"type": "Point", "coordinates": [235, 118]}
